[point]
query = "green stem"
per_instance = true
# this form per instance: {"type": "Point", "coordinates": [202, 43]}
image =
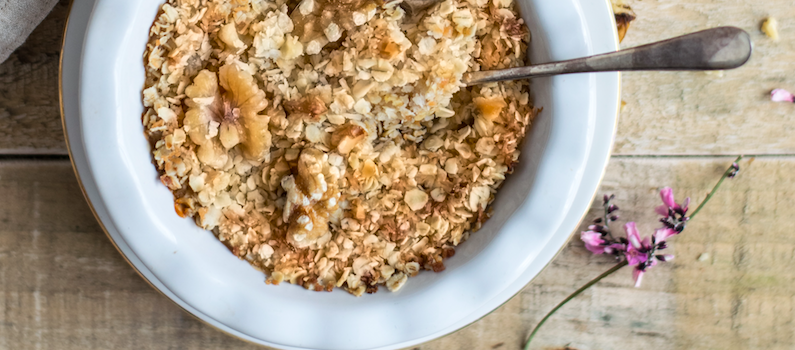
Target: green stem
{"type": "Point", "coordinates": [572, 296]}
{"type": "Point", "coordinates": [715, 189]}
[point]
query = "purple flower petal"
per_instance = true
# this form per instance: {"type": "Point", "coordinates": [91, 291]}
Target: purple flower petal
{"type": "Point", "coordinates": [596, 249]}
{"type": "Point", "coordinates": [591, 238]}
{"type": "Point", "coordinates": [661, 234]}
{"type": "Point", "coordinates": [637, 275]}
{"type": "Point", "coordinates": [635, 256]}
{"type": "Point", "coordinates": [665, 257]}
{"type": "Point", "coordinates": [662, 210]}
{"type": "Point", "coordinates": [781, 95]}
{"type": "Point", "coordinates": [632, 234]}
{"type": "Point", "coordinates": [633, 253]}
{"type": "Point", "coordinates": [593, 241]}
{"type": "Point", "coordinates": [616, 248]}
{"type": "Point", "coordinates": [667, 195]}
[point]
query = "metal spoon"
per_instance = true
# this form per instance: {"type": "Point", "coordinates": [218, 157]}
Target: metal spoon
{"type": "Point", "coordinates": [711, 49]}
{"type": "Point", "coordinates": [413, 7]}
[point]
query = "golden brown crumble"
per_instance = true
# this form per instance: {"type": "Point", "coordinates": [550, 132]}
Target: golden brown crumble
{"type": "Point", "coordinates": [331, 143]}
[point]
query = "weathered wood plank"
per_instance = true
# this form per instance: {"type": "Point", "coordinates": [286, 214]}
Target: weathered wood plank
{"type": "Point", "coordinates": [666, 113]}
{"type": "Point", "coordinates": [63, 285]}
{"type": "Point", "coordinates": [701, 113]}
{"type": "Point", "coordinates": [30, 119]}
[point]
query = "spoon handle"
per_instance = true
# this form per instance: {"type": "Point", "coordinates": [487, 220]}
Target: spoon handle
{"type": "Point", "coordinates": [711, 49]}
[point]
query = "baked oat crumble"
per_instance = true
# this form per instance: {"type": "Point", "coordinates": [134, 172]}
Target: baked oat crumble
{"type": "Point", "coordinates": [332, 143]}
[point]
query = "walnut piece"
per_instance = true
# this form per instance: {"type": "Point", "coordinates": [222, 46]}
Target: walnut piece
{"type": "Point", "coordinates": [770, 28]}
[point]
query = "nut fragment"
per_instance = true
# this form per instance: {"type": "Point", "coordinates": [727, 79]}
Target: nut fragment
{"type": "Point", "coordinates": [228, 35]}
{"type": "Point", "coordinates": [624, 16]}
{"type": "Point", "coordinates": [346, 137]}
{"type": "Point", "coordinates": [310, 200]}
{"type": "Point", "coordinates": [232, 105]}
{"type": "Point", "coordinates": [312, 105]}
{"type": "Point", "coordinates": [770, 28]}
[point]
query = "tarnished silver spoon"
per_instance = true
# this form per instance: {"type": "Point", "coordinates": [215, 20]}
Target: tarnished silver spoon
{"type": "Point", "coordinates": [711, 49]}
{"type": "Point", "coordinates": [414, 7]}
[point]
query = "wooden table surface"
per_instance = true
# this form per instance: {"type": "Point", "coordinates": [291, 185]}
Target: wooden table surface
{"type": "Point", "coordinates": [64, 286]}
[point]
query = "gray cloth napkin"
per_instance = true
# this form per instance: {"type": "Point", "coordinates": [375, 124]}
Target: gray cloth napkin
{"type": "Point", "coordinates": [17, 19]}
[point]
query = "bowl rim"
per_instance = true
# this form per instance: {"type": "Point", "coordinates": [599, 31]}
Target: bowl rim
{"type": "Point", "coordinates": [233, 334]}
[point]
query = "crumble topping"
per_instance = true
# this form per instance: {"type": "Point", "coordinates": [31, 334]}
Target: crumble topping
{"type": "Point", "coordinates": [332, 143]}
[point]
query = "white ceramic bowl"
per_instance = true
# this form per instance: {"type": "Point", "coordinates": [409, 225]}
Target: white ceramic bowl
{"type": "Point", "coordinates": [535, 212]}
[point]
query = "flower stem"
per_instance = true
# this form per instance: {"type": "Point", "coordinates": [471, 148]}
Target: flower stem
{"type": "Point", "coordinates": [715, 189]}
{"type": "Point", "coordinates": [606, 222]}
{"type": "Point", "coordinates": [572, 296]}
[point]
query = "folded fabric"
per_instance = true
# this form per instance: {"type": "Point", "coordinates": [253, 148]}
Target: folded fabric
{"type": "Point", "coordinates": [17, 19]}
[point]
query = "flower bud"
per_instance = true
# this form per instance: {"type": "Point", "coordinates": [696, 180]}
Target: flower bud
{"type": "Point", "coordinates": [664, 257]}
{"type": "Point", "coordinates": [735, 168]}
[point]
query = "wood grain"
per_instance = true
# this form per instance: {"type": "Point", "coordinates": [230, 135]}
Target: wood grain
{"type": "Point", "coordinates": [30, 119]}
{"type": "Point", "coordinates": [666, 113]}
{"type": "Point", "coordinates": [62, 283]}
{"type": "Point", "coordinates": [706, 113]}
{"type": "Point", "coordinates": [64, 286]}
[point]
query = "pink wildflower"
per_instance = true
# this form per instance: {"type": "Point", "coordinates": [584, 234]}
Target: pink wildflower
{"type": "Point", "coordinates": [667, 195]}
{"type": "Point", "coordinates": [636, 252]}
{"type": "Point", "coordinates": [593, 241]}
{"type": "Point", "coordinates": [665, 257]}
{"type": "Point", "coordinates": [615, 248]}
{"type": "Point", "coordinates": [637, 275]}
{"type": "Point", "coordinates": [635, 256]}
{"type": "Point", "coordinates": [632, 234]}
{"type": "Point", "coordinates": [661, 234]}
{"type": "Point", "coordinates": [734, 170]}
{"type": "Point", "coordinates": [781, 95]}
{"type": "Point", "coordinates": [641, 253]}
{"type": "Point", "coordinates": [669, 204]}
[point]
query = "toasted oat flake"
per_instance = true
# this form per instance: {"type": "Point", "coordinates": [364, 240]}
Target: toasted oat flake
{"type": "Point", "coordinates": [332, 143]}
